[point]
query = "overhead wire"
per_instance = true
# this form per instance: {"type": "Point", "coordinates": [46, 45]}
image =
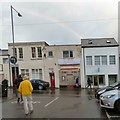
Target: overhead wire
{"type": "Point", "coordinates": [64, 22]}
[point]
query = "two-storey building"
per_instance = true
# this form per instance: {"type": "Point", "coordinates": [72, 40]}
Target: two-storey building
{"type": "Point", "coordinates": [39, 59]}
{"type": "Point", "coordinates": [100, 61]}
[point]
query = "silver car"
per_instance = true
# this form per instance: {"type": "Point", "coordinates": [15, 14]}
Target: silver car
{"type": "Point", "coordinates": [111, 99]}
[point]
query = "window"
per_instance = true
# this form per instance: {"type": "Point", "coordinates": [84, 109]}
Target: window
{"type": "Point", "coordinates": [67, 54]}
{"type": "Point", "coordinates": [15, 52]}
{"type": "Point", "coordinates": [89, 60]}
{"type": "Point", "coordinates": [33, 52]}
{"type": "Point", "coordinates": [104, 60]}
{"type": "Point", "coordinates": [20, 52]}
{"type": "Point", "coordinates": [5, 60]}
{"type": "Point", "coordinates": [50, 54]}
{"type": "Point", "coordinates": [24, 72]}
{"type": "Point", "coordinates": [112, 59]}
{"type": "Point", "coordinates": [97, 60]}
{"type": "Point", "coordinates": [37, 73]}
{"type": "Point", "coordinates": [39, 51]}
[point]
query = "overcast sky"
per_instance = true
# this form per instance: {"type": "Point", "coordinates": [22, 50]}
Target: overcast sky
{"type": "Point", "coordinates": [59, 22]}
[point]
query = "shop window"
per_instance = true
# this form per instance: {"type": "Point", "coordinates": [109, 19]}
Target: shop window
{"type": "Point", "coordinates": [112, 79]}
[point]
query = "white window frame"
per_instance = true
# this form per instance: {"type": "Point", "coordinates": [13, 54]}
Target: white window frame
{"type": "Point", "coordinates": [104, 59]}
{"type": "Point", "coordinates": [20, 53]}
{"type": "Point", "coordinates": [39, 52]}
{"type": "Point", "coordinates": [24, 72]}
{"type": "Point", "coordinates": [88, 60]}
{"type": "Point", "coordinates": [33, 52]}
{"type": "Point", "coordinates": [97, 60]}
{"type": "Point", "coordinates": [68, 54]}
{"type": "Point", "coordinates": [112, 59]}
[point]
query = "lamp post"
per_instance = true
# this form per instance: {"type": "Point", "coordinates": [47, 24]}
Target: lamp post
{"type": "Point", "coordinates": [13, 60]}
{"type": "Point", "coordinates": [12, 8]}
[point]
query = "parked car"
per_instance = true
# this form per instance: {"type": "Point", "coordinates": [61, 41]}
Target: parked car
{"type": "Point", "coordinates": [111, 99]}
{"type": "Point", "coordinates": [39, 84]}
{"type": "Point", "coordinates": [107, 88]}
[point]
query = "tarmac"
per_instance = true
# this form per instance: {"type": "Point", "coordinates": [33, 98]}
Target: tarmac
{"type": "Point", "coordinates": [56, 92]}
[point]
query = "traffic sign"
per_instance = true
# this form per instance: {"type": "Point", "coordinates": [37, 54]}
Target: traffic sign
{"type": "Point", "coordinates": [13, 60]}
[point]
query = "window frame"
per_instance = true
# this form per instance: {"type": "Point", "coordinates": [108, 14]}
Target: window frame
{"type": "Point", "coordinates": [68, 54]}
{"type": "Point", "coordinates": [112, 61]}
{"type": "Point", "coordinates": [20, 51]}
{"type": "Point", "coordinates": [89, 60]}
{"type": "Point", "coordinates": [33, 52]}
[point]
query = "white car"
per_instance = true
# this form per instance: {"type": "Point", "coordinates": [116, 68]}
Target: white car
{"type": "Point", "coordinates": [111, 99]}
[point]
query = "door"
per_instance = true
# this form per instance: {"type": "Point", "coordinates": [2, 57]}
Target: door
{"type": "Point", "coordinates": [96, 81]}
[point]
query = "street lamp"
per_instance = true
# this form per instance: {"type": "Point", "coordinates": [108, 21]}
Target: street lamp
{"type": "Point", "coordinates": [13, 58]}
{"type": "Point", "coordinates": [12, 8]}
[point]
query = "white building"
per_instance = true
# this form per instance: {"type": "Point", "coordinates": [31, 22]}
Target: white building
{"type": "Point", "coordinates": [4, 66]}
{"type": "Point", "coordinates": [100, 60]}
{"type": "Point", "coordinates": [38, 59]}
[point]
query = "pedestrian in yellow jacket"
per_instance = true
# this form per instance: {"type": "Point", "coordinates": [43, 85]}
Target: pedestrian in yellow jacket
{"type": "Point", "coordinates": [25, 88]}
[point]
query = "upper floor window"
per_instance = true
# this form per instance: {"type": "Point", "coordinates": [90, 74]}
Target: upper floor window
{"type": "Point", "coordinates": [67, 54]}
{"type": "Point", "coordinates": [33, 52]}
{"type": "Point", "coordinates": [97, 60]}
{"type": "Point", "coordinates": [104, 60]}
{"type": "Point", "coordinates": [39, 52]}
{"type": "Point", "coordinates": [20, 52]}
{"type": "Point", "coordinates": [5, 60]}
{"type": "Point", "coordinates": [112, 59]}
{"type": "Point", "coordinates": [89, 60]}
{"type": "Point", "coordinates": [50, 54]}
{"type": "Point", "coordinates": [15, 52]}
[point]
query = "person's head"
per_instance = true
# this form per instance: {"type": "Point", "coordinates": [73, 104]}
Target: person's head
{"type": "Point", "coordinates": [26, 77]}
{"type": "Point", "coordinates": [19, 76]}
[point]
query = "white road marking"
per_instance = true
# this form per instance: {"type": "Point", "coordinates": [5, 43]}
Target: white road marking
{"type": "Point", "coordinates": [34, 102]}
{"type": "Point", "coordinates": [51, 102]}
{"type": "Point", "coordinates": [109, 117]}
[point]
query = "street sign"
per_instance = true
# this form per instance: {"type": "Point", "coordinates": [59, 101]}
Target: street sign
{"type": "Point", "coordinates": [13, 60]}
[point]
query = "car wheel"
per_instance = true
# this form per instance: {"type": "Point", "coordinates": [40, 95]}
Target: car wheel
{"type": "Point", "coordinates": [40, 87]}
{"type": "Point", "coordinates": [117, 106]}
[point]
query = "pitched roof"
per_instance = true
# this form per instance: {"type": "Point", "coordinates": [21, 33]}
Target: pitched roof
{"type": "Point", "coordinates": [99, 42]}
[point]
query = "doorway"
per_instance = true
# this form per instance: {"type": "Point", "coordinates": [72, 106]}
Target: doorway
{"type": "Point", "coordinates": [97, 80]}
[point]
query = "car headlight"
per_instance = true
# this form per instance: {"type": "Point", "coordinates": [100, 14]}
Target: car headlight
{"type": "Point", "coordinates": [102, 91]}
{"type": "Point", "coordinates": [109, 96]}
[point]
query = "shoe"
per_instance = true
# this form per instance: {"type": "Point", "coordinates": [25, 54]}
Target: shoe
{"type": "Point", "coordinates": [18, 100]}
{"type": "Point", "coordinates": [31, 111]}
{"type": "Point", "coordinates": [26, 114]}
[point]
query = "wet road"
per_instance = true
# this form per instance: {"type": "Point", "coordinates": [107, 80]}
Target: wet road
{"type": "Point", "coordinates": [58, 104]}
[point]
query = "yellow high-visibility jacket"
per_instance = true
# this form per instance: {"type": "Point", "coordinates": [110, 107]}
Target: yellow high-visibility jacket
{"type": "Point", "coordinates": [25, 88]}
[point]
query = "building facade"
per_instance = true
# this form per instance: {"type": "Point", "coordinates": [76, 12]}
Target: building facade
{"type": "Point", "coordinates": [100, 60]}
{"type": "Point", "coordinates": [5, 66]}
{"type": "Point", "coordinates": [39, 59]}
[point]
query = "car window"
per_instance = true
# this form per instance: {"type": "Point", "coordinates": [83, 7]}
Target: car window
{"type": "Point", "coordinates": [37, 81]}
{"type": "Point", "coordinates": [32, 81]}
